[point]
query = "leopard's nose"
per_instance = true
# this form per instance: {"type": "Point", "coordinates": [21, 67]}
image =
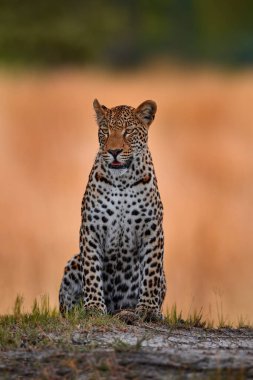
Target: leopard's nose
{"type": "Point", "coordinates": [115, 152]}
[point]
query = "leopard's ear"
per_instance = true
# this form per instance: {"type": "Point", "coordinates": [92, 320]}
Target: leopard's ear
{"type": "Point", "coordinates": [146, 111]}
{"type": "Point", "coordinates": [100, 110]}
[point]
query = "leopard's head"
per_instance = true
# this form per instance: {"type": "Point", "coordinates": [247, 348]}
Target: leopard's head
{"type": "Point", "coordinates": [123, 131]}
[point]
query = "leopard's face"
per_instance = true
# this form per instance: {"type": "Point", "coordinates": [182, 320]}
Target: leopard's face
{"type": "Point", "coordinates": [123, 132]}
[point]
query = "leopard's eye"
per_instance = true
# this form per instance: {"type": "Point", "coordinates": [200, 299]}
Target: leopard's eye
{"type": "Point", "coordinates": [128, 131]}
{"type": "Point", "coordinates": [104, 131]}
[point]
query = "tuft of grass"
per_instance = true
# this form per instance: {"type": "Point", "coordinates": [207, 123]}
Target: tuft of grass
{"type": "Point", "coordinates": [195, 318]}
{"type": "Point", "coordinates": [26, 329]}
{"type": "Point", "coordinates": [42, 309]}
{"type": "Point", "coordinates": [223, 322]}
{"type": "Point", "coordinates": [18, 306]}
{"type": "Point", "coordinates": [243, 323]}
{"type": "Point", "coordinates": [210, 324]}
{"type": "Point", "coordinates": [173, 317]}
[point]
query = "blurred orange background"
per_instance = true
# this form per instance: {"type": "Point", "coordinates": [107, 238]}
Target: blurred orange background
{"type": "Point", "coordinates": [201, 142]}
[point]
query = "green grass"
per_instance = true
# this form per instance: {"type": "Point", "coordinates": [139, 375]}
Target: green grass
{"type": "Point", "coordinates": [223, 321]}
{"type": "Point", "coordinates": [243, 323]}
{"type": "Point", "coordinates": [174, 318]}
{"type": "Point", "coordinates": [44, 326]}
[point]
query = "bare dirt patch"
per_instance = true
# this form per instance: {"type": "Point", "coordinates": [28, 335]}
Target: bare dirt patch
{"type": "Point", "coordinates": [145, 351]}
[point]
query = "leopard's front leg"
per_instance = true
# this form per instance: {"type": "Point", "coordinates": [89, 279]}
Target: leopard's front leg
{"type": "Point", "coordinates": [152, 286]}
{"type": "Point", "coordinates": [91, 253]}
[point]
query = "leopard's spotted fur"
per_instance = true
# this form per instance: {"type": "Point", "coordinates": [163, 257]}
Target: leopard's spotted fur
{"type": "Point", "coordinates": [120, 264]}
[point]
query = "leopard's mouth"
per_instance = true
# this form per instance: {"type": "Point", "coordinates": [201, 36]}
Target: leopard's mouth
{"type": "Point", "coordinates": [120, 165]}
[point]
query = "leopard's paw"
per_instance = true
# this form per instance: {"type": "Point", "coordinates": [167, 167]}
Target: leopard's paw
{"type": "Point", "coordinates": [127, 316]}
{"type": "Point", "coordinates": [94, 308]}
{"type": "Point", "coordinates": [147, 314]}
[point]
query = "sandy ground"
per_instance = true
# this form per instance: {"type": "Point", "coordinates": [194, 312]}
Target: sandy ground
{"type": "Point", "coordinates": [146, 351]}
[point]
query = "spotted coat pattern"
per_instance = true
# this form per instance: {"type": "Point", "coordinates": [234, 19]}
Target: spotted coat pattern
{"type": "Point", "coordinates": [120, 264]}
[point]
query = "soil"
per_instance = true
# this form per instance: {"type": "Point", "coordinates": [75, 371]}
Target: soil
{"type": "Point", "coordinates": [147, 351]}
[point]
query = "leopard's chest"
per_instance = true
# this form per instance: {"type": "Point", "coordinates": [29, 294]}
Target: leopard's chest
{"type": "Point", "coordinates": [113, 211]}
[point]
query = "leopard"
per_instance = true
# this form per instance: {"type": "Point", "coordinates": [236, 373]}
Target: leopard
{"type": "Point", "coordinates": [119, 268]}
